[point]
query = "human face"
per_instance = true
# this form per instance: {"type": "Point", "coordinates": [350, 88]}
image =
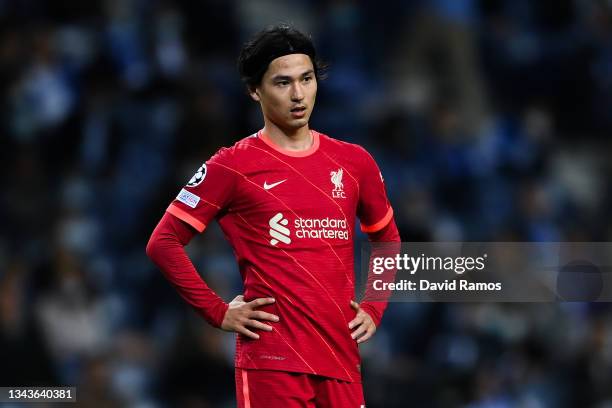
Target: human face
{"type": "Point", "coordinates": [287, 92]}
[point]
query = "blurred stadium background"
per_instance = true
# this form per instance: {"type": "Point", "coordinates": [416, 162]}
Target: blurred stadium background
{"type": "Point", "coordinates": [490, 120]}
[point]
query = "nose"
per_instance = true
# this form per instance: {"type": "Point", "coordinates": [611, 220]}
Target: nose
{"type": "Point", "coordinates": [297, 93]}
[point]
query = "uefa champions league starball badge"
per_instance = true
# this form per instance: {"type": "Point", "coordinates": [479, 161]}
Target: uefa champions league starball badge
{"type": "Point", "coordinates": [198, 177]}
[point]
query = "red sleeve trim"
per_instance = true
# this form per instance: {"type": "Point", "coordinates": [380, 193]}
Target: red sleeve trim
{"type": "Point", "coordinates": [380, 224]}
{"type": "Point", "coordinates": [189, 219]}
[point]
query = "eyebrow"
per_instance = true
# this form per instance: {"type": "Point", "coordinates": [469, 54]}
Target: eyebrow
{"type": "Point", "coordinates": [287, 77]}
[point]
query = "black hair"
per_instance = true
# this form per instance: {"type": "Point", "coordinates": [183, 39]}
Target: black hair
{"type": "Point", "coordinates": [269, 44]}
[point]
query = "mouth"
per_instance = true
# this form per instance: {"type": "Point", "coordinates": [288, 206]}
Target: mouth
{"type": "Point", "coordinates": [298, 111]}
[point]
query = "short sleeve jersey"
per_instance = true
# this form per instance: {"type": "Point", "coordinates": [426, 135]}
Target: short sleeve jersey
{"type": "Point", "coordinates": [290, 218]}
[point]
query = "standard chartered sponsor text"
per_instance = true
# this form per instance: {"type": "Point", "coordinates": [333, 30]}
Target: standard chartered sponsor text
{"type": "Point", "coordinates": [333, 228]}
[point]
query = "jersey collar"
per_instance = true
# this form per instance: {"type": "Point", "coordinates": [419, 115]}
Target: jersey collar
{"type": "Point", "coordinates": [301, 153]}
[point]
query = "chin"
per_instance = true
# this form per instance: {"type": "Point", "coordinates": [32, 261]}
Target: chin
{"type": "Point", "coordinates": [296, 123]}
{"type": "Point", "coordinates": [302, 121]}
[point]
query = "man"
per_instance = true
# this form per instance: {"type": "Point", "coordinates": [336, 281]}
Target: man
{"type": "Point", "coordinates": [286, 198]}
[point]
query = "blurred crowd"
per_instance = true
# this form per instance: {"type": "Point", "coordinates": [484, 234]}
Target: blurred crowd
{"type": "Point", "coordinates": [489, 119]}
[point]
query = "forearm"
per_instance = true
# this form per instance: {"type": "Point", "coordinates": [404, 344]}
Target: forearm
{"type": "Point", "coordinates": [166, 250]}
{"type": "Point", "coordinates": [375, 302]}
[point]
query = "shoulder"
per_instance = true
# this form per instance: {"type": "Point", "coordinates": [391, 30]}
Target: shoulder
{"type": "Point", "coordinates": [351, 151]}
{"type": "Point", "coordinates": [245, 143]}
{"type": "Point", "coordinates": [228, 154]}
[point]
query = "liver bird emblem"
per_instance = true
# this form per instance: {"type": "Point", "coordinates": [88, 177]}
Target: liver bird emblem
{"type": "Point", "coordinates": [336, 178]}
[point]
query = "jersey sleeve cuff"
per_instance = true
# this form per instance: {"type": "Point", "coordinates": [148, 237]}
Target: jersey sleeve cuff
{"type": "Point", "coordinates": [380, 224]}
{"type": "Point", "coordinates": [375, 312]}
{"type": "Point", "coordinates": [186, 217]}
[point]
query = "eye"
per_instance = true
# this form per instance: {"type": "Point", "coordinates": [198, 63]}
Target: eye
{"type": "Point", "coordinates": [307, 78]}
{"type": "Point", "coordinates": [282, 83]}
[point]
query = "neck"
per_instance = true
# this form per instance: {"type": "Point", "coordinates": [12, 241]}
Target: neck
{"type": "Point", "coordinates": [289, 139]}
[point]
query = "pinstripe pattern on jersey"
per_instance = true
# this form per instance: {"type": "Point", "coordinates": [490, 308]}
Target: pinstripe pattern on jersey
{"type": "Point", "coordinates": [303, 176]}
{"type": "Point", "coordinates": [284, 296]}
{"type": "Point", "coordinates": [347, 172]}
{"type": "Point", "coordinates": [290, 210]}
{"type": "Point", "coordinates": [301, 266]}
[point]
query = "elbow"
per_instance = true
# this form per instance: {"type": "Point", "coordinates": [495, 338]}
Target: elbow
{"type": "Point", "coordinates": [152, 246]}
{"type": "Point", "coordinates": [389, 233]}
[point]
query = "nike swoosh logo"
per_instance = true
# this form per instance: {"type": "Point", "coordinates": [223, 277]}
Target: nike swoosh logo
{"type": "Point", "coordinates": [269, 186]}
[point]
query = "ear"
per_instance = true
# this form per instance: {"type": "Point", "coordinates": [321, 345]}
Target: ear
{"type": "Point", "coordinates": [254, 92]}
